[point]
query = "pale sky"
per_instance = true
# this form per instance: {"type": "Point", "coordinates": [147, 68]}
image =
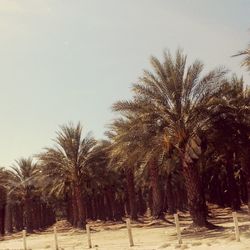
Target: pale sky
{"type": "Point", "coordinates": [69, 60]}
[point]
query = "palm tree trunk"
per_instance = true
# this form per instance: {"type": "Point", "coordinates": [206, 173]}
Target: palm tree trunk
{"type": "Point", "coordinates": [119, 209]}
{"type": "Point", "coordinates": [89, 208]}
{"type": "Point", "coordinates": [232, 185]}
{"type": "Point", "coordinates": [81, 208]}
{"type": "Point", "coordinates": [243, 187]}
{"type": "Point", "coordinates": [196, 202]}
{"type": "Point", "coordinates": [171, 201]}
{"type": "Point", "coordinates": [2, 210]}
{"type": "Point", "coordinates": [42, 215]}
{"type": "Point", "coordinates": [28, 214]}
{"type": "Point", "coordinates": [2, 219]}
{"type": "Point", "coordinates": [18, 217]}
{"type": "Point", "coordinates": [248, 195]}
{"type": "Point", "coordinates": [245, 164]}
{"type": "Point", "coordinates": [69, 210]}
{"type": "Point", "coordinates": [156, 192]}
{"type": "Point", "coordinates": [180, 195]}
{"type": "Point", "coordinates": [131, 193]}
{"type": "Point", "coordinates": [75, 215]}
{"type": "Point", "coordinates": [38, 212]}
{"type": "Point", "coordinates": [141, 202]}
{"type": "Point", "coordinates": [45, 215]}
{"type": "Point", "coordinates": [35, 216]}
{"type": "Point", "coordinates": [109, 198]}
{"type": "Point", "coordinates": [150, 201]}
{"type": "Point", "coordinates": [101, 207]}
{"type": "Point", "coordinates": [94, 206]}
{"type": "Point", "coordinates": [126, 201]}
{"type": "Point", "coordinates": [8, 219]}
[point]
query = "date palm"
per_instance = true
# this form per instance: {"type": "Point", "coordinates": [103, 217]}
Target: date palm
{"type": "Point", "coordinates": [22, 186]}
{"type": "Point", "coordinates": [130, 143]}
{"type": "Point", "coordinates": [66, 166]}
{"type": "Point", "coordinates": [180, 96]}
{"type": "Point", "coordinates": [122, 159]}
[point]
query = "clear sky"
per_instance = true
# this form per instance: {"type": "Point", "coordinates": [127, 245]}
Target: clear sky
{"type": "Point", "coordinates": [69, 60]}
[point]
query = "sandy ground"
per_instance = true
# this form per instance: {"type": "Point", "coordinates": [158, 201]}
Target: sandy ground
{"type": "Point", "coordinates": [149, 235]}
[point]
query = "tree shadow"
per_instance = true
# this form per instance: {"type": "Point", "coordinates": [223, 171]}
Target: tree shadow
{"type": "Point", "coordinates": [222, 218]}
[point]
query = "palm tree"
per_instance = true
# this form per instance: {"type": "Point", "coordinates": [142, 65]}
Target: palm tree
{"type": "Point", "coordinates": [65, 167]}
{"type": "Point", "coordinates": [122, 159]}
{"type": "Point", "coordinates": [180, 97]}
{"type": "Point", "coordinates": [130, 139]}
{"type": "Point", "coordinates": [22, 187]}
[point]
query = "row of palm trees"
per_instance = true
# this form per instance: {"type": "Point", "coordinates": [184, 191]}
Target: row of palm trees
{"type": "Point", "coordinates": [175, 115]}
{"type": "Point", "coordinates": [181, 141]}
{"type": "Point", "coordinates": [23, 203]}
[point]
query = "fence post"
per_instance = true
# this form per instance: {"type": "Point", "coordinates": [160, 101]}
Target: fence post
{"type": "Point", "coordinates": [236, 226]}
{"type": "Point", "coordinates": [24, 240]}
{"type": "Point", "coordinates": [131, 242]}
{"type": "Point", "coordinates": [55, 238]}
{"type": "Point", "coordinates": [89, 237]}
{"type": "Point", "coordinates": [178, 230]}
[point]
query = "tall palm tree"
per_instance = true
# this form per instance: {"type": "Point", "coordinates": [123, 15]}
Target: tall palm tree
{"type": "Point", "coordinates": [122, 158]}
{"type": "Point", "coordinates": [130, 139]}
{"type": "Point", "coordinates": [180, 96]}
{"type": "Point", "coordinates": [66, 166]}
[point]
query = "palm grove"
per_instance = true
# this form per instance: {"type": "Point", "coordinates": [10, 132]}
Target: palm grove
{"type": "Point", "coordinates": [180, 143]}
